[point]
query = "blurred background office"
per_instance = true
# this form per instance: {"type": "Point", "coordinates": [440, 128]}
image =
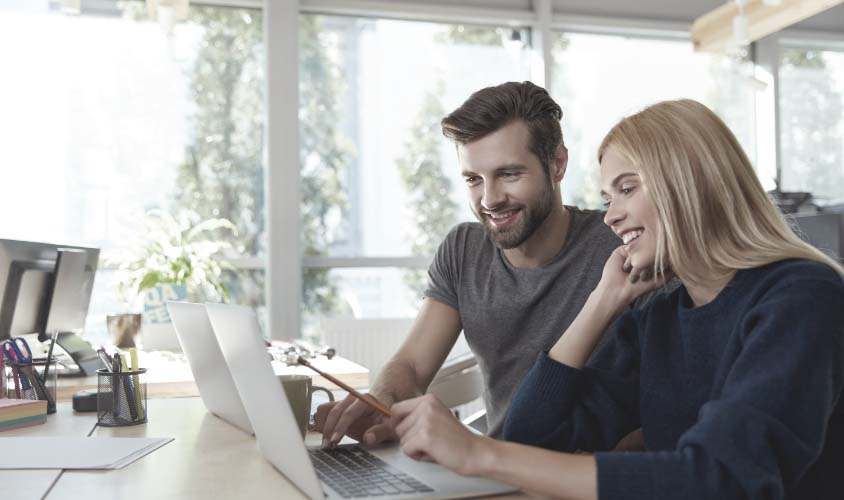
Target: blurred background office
{"type": "Point", "coordinates": [287, 155]}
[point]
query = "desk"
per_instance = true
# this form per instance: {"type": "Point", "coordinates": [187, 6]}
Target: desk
{"type": "Point", "coordinates": [33, 484]}
{"type": "Point", "coordinates": [169, 375]}
{"type": "Point", "coordinates": [208, 459]}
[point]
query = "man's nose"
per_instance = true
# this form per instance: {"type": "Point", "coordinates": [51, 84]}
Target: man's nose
{"type": "Point", "coordinates": [493, 196]}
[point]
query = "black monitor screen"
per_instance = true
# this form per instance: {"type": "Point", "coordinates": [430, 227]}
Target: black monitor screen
{"type": "Point", "coordinates": [44, 287]}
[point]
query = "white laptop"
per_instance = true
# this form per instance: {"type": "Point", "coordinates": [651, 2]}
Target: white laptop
{"type": "Point", "coordinates": [310, 469]}
{"type": "Point", "coordinates": [210, 371]}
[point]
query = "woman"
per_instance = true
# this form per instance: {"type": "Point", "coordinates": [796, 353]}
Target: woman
{"type": "Point", "coordinates": [734, 377]}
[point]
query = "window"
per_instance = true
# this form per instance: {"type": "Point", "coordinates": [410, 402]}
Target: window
{"type": "Point", "coordinates": [599, 79]}
{"type": "Point", "coordinates": [811, 106]}
{"type": "Point", "coordinates": [108, 116]}
{"type": "Point", "coordinates": [379, 180]}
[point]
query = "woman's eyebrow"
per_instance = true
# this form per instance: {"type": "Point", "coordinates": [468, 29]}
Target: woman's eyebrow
{"type": "Point", "coordinates": [618, 178]}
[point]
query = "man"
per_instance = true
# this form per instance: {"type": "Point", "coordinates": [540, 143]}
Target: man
{"type": "Point", "coordinates": [512, 282]}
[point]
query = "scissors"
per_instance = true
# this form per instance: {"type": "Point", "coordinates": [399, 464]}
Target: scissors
{"type": "Point", "coordinates": [11, 350]}
{"type": "Point", "coordinates": [20, 358]}
{"type": "Point", "coordinates": [2, 375]}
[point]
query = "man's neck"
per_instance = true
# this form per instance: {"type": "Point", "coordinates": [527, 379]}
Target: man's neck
{"type": "Point", "coordinates": [545, 243]}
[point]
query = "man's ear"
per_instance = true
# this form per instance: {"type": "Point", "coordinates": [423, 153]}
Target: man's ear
{"type": "Point", "coordinates": [561, 161]}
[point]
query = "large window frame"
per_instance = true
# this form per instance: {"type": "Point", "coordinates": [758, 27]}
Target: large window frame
{"type": "Point", "coordinates": [285, 262]}
{"type": "Point", "coordinates": [768, 54]}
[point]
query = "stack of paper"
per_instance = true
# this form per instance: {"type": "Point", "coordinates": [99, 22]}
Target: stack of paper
{"type": "Point", "coordinates": [75, 452]}
{"type": "Point", "coordinates": [15, 413]}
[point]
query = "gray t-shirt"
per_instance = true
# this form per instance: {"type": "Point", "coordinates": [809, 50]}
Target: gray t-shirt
{"type": "Point", "coordinates": [509, 314]}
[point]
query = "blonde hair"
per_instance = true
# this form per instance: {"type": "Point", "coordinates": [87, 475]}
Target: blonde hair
{"type": "Point", "coordinates": [714, 216]}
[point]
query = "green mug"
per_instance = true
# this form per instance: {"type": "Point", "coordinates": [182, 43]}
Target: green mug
{"type": "Point", "coordinates": [299, 390]}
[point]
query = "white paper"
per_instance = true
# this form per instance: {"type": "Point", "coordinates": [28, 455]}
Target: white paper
{"type": "Point", "coordinates": [74, 452]}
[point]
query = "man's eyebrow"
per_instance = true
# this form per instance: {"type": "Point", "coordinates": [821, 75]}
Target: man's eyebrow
{"type": "Point", "coordinates": [620, 177]}
{"type": "Point", "coordinates": [507, 166]}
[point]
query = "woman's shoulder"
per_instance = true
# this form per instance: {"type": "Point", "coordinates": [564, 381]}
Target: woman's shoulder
{"type": "Point", "coordinates": [796, 272]}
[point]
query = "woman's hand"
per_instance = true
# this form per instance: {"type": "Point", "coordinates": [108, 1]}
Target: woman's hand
{"type": "Point", "coordinates": [622, 283]}
{"type": "Point", "coordinates": [429, 432]}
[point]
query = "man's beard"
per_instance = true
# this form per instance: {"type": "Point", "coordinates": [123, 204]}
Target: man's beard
{"type": "Point", "coordinates": [531, 217]}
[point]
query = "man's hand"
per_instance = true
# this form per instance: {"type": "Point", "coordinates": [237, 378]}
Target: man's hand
{"type": "Point", "coordinates": [354, 418]}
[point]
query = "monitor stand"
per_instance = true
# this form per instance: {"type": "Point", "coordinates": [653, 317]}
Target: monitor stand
{"type": "Point", "coordinates": [81, 352]}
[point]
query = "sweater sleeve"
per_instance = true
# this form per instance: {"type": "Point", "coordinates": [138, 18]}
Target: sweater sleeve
{"type": "Point", "coordinates": [565, 409]}
{"type": "Point", "coordinates": [760, 435]}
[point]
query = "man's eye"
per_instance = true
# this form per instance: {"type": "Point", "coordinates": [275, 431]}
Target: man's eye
{"type": "Point", "coordinates": [472, 180]}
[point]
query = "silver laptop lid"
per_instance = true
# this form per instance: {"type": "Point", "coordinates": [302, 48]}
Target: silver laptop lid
{"type": "Point", "coordinates": [279, 439]}
{"type": "Point", "coordinates": [210, 371]}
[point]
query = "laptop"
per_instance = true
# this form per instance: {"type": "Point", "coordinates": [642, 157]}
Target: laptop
{"type": "Point", "coordinates": [349, 471]}
{"type": "Point", "coordinates": [210, 371]}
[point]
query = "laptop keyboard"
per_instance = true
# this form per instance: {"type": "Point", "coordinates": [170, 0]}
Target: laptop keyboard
{"type": "Point", "coordinates": [353, 472]}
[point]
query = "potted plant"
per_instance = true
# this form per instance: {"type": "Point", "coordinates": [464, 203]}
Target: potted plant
{"type": "Point", "coordinates": [175, 260]}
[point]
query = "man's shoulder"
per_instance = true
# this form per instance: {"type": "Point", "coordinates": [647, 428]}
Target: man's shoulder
{"type": "Point", "coordinates": [465, 238]}
{"type": "Point", "coordinates": [473, 229]}
{"type": "Point", "coordinates": [468, 234]}
{"type": "Point", "coordinates": [588, 228]}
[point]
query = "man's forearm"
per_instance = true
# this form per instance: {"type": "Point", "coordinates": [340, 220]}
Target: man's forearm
{"type": "Point", "coordinates": [396, 382]}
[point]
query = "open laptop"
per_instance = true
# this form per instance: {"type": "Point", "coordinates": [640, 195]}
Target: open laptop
{"type": "Point", "coordinates": [348, 471]}
{"type": "Point", "coordinates": [210, 371]}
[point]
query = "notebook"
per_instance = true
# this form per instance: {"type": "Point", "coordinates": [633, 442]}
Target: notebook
{"type": "Point", "coordinates": [17, 413]}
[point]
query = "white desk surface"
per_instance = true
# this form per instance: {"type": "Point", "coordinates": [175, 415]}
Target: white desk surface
{"type": "Point", "coordinates": [34, 484]}
{"type": "Point", "coordinates": [208, 459]}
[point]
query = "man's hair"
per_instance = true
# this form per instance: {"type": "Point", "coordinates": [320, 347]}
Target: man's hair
{"type": "Point", "coordinates": [489, 109]}
{"type": "Point", "coordinates": [714, 215]}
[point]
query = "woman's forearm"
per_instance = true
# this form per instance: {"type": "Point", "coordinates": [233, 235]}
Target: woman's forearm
{"type": "Point", "coordinates": [548, 473]}
{"type": "Point", "coordinates": [577, 343]}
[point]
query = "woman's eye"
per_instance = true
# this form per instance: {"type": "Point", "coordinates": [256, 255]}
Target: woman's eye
{"type": "Point", "coordinates": [627, 189]}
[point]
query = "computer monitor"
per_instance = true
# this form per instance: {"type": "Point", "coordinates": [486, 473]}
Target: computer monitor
{"type": "Point", "coordinates": [46, 288]}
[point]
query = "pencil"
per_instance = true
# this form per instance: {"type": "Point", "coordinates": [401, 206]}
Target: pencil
{"type": "Point", "coordinates": [371, 402]}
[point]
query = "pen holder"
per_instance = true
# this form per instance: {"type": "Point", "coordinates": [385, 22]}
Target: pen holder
{"type": "Point", "coordinates": [121, 398]}
{"type": "Point", "coordinates": [26, 381]}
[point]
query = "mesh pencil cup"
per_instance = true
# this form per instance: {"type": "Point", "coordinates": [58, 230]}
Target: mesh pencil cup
{"type": "Point", "coordinates": [121, 398]}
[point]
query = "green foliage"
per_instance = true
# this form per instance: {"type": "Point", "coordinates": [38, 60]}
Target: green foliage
{"type": "Point", "coordinates": [181, 252]}
{"type": "Point", "coordinates": [325, 153]}
{"type": "Point", "coordinates": [803, 58]}
{"type": "Point", "coordinates": [222, 174]}
{"type": "Point", "coordinates": [430, 207]}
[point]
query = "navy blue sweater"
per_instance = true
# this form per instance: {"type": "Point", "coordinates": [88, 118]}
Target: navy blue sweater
{"type": "Point", "coordinates": [736, 398]}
